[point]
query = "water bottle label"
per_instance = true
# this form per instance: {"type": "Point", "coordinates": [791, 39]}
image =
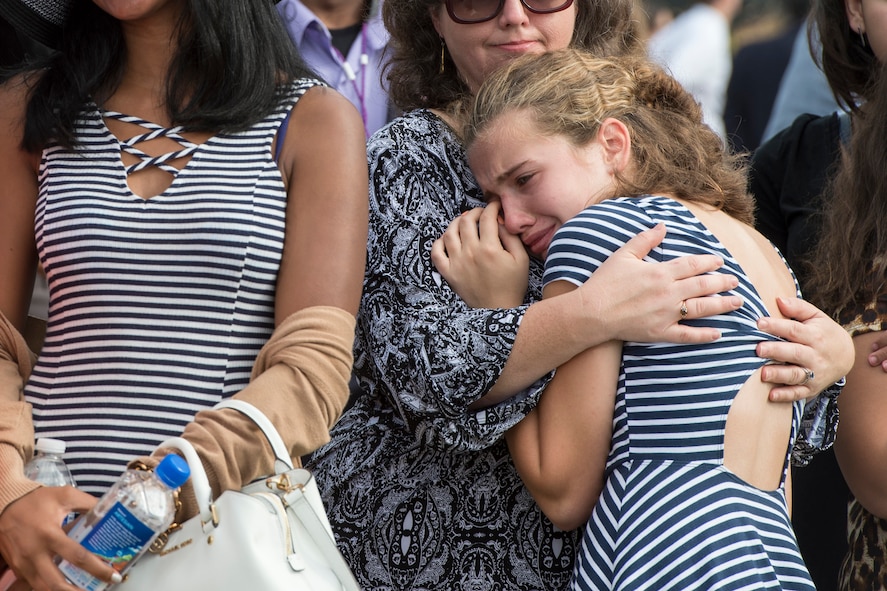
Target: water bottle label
{"type": "Point", "coordinates": [117, 538]}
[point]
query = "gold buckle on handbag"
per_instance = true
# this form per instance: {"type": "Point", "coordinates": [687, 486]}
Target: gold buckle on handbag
{"type": "Point", "coordinates": [282, 482]}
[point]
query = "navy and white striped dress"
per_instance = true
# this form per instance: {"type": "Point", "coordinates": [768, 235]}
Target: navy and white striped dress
{"type": "Point", "coordinates": [158, 307]}
{"type": "Point", "coordinates": [671, 516]}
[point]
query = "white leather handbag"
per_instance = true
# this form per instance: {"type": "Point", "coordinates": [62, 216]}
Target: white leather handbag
{"type": "Point", "coordinates": [273, 535]}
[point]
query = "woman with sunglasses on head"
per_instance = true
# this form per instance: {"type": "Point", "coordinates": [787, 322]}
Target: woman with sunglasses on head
{"type": "Point", "coordinates": [195, 251]}
{"type": "Point", "coordinates": [419, 486]}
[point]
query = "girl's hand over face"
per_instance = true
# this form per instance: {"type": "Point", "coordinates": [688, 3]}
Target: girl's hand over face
{"type": "Point", "coordinates": [481, 261]}
{"type": "Point", "coordinates": [813, 342]}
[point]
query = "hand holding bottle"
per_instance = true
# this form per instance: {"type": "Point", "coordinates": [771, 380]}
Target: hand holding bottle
{"type": "Point", "coordinates": [30, 528]}
{"type": "Point", "coordinates": [126, 520]}
{"type": "Point", "coordinates": [31, 536]}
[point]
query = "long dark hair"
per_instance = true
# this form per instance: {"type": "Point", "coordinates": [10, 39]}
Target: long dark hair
{"type": "Point", "coordinates": [849, 263]}
{"type": "Point", "coordinates": [604, 27]}
{"type": "Point", "coordinates": [231, 59]}
{"type": "Point", "coordinates": [848, 63]}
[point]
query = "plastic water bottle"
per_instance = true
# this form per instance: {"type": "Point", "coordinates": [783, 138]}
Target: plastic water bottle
{"type": "Point", "coordinates": [48, 468]}
{"type": "Point", "coordinates": [127, 519]}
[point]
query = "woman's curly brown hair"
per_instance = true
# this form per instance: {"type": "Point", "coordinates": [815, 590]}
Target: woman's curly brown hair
{"type": "Point", "coordinates": [414, 80]}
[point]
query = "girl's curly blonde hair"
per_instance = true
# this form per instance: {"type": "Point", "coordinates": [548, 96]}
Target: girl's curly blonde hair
{"type": "Point", "coordinates": [570, 92]}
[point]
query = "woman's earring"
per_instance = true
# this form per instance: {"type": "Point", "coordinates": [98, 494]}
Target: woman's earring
{"type": "Point", "coordinates": [861, 35]}
{"type": "Point", "coordinates": [443, 46]}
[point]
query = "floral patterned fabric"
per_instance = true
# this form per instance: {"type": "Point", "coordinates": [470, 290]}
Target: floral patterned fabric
{"type": "Point", "coordinates": [421, 491]}
{"type": "Point", "coordinates": [819, 425]}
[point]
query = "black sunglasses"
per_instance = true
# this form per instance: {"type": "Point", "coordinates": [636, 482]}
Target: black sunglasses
{"type": "Point", "coordinates": [469, 12]}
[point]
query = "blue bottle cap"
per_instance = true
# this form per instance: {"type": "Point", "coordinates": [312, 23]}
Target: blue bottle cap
{"type": "Point", "coordinates": [173, 471]}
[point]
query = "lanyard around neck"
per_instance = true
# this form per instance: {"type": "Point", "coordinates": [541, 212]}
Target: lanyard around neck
{"type": "Point", "coordinates": [352, 76]}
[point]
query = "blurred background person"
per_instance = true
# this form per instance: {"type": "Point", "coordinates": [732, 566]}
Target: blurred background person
{"type": "Point", "coordinates": [803, 88]}
{"type": "Point", "coordinates": [696, 48]}
{"type": "Point", "coordinates": [758, 68]}
{"type": "Point", "coordinates": [343, 41]}
{"type": "Point", "coordinates": [651, 16]}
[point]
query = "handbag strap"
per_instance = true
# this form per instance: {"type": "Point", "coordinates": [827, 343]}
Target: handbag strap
{"type": "Point", "coordinates": [296, 499]}
{"type": "Point", "coordinates": [283, 460]}
{"type": "Point", "coordinates": [306, 512]}
{"type": "Point", "coordinates": [199, 481]}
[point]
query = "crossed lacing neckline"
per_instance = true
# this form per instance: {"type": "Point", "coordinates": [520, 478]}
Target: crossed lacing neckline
{"type": "Point", "coordinates": [154, 131]}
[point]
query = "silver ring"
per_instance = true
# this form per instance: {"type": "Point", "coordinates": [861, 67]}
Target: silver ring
{"type": "Point", "coordinates": [808, 375]}
{"type": "Point", "coordinates": [684, 310]}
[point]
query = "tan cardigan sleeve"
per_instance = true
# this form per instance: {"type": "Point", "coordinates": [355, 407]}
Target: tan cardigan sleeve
{"type": "Point", "coordinates": [16, 424]}
{"type": "Point", "coordinates": [299, 380]}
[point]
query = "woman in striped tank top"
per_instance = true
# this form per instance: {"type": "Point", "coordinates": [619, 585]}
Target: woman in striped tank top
{"type": "Point", "coordinates": [193, 250]}
{"type": "Point", "coordinates": [673, 457]}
